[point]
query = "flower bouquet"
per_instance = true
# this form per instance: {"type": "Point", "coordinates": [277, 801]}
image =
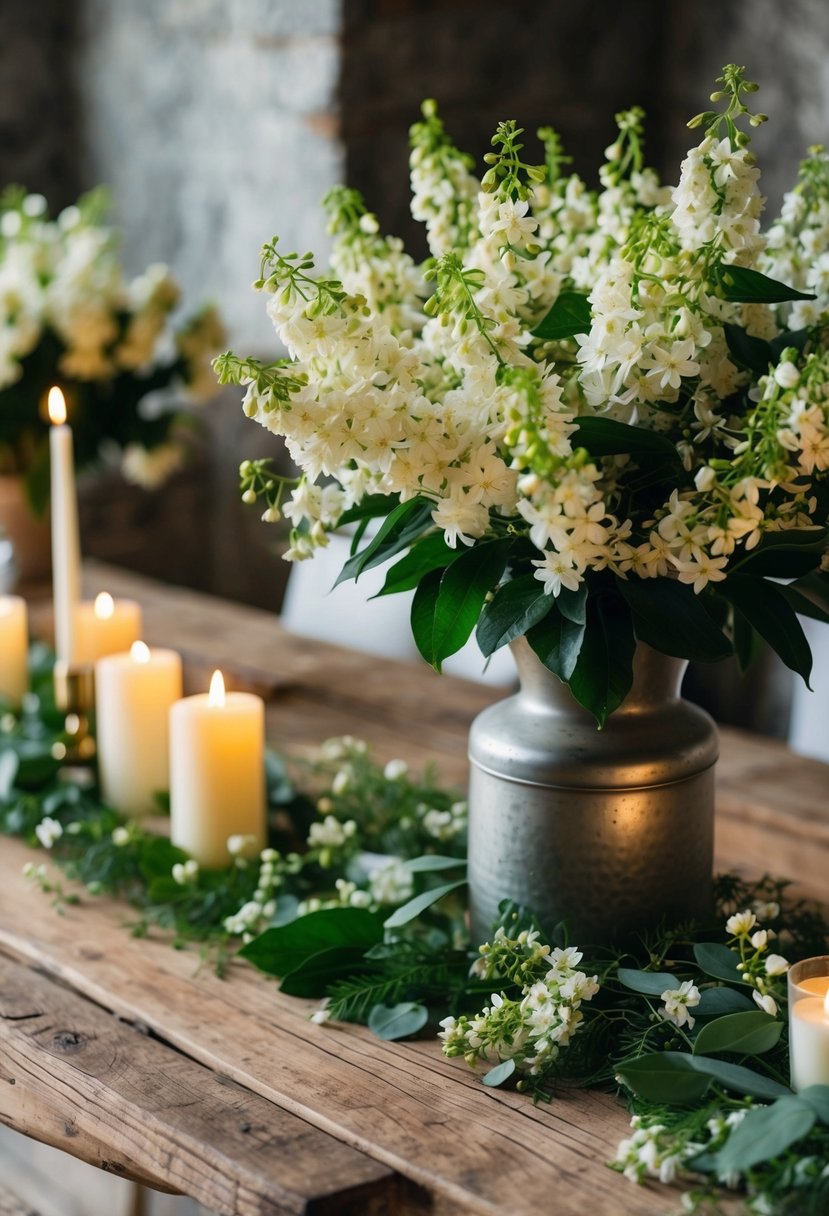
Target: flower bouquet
{"type": "Point", "coordinates": [68, 316]}
{"type": "Point", "coordinates": [590, 418]}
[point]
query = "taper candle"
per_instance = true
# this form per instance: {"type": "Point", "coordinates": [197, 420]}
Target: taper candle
{"type": "Point", "coordinates": [133, 694]}
{"type": "Point", "coordinates": [66, 547]}
{"type": "Point", "coordinates": [217, 772]}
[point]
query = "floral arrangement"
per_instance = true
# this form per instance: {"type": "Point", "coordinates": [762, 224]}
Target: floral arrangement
{"type": "Point", "coordinates": [68, 316]}
{"type": "Point", "coordinates": [359, 898]}
{"type": "Point", "coordinates": [590, 418]}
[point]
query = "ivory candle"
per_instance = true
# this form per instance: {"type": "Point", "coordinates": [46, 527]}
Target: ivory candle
{"type": "Point", "coordinates": [217, 772]}
{"type": "Point", "coordinates": [106, 626]}
{"type": "Point", "coordinates": [14, 643]}
{"type": "Point", "coordinates": [66, 546]}
{"type": "Point", "coordinates": [133, 694]}
{"type": "Point", "coordinates": [809, 1041]}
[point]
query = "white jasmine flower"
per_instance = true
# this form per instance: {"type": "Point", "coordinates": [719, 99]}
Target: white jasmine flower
{"type": "Point", "coordinates": [775, 964]}
{"type": "Point", "coordinates": [242, 846]}
{"type": "Point", "coordinates": [740, 923]}
{"type": "Point", "coordinates": [678, 1002]}
{"type": "Point", "coordinates": [395, 769]}
{"type": "Point", "coordinates": [120, 836]}
{"type": "Point", "coordinates": [767, 1003]}
{"type": "Point", "coordinates": [48, 831]}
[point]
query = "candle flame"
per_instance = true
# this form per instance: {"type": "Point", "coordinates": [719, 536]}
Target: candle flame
{"type": "Point", "coordinates": [57, 406]}
{"type": "Point", "coordinates": [104, 606]}
{"type": "Point", "coordinates": [216, 696]}
{"type": "Point", "coordinates": [140, 652]}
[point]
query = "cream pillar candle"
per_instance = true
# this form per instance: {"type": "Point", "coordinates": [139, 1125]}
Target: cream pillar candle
{"type": "Point", "coordinates": [133, 695]}
{"type": "Point", "coordinates": [809, 1041]}
{"type": "Point", "coordinates": [106, 626]}
{"type": "Point", "coordinates": [66, 546]}
{"type": "Point", "coordinates": [14, 645]}
{"type": "Point", "coordinates": [217, 772]}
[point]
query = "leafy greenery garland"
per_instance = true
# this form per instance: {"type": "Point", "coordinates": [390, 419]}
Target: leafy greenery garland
{"type": "Point", "coordinates": [359, 907]}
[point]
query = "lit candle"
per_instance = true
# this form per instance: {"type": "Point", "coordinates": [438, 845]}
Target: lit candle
{"type": "Point", "coordinates": [133, 695]}
{"type": "Point", "coordinates": [14, 642]}
{"type": "Point", "coordinates": [217, 772]}
{"type": "Point", "coordinates": [809, 1022]}
{"type": "Point", "coordinates": [106, 626]}
{"type": "Point", "coordinates": [66, 547]}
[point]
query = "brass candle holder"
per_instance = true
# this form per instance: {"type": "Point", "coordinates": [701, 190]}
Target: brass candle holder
{"type": "Point", "coordinates": [75, 699]}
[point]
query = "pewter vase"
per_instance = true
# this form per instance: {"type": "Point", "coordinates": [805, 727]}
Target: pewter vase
{"type": "Point", "coordinates": [609, 830]}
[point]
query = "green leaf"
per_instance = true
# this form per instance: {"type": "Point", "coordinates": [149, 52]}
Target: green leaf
{"type": "Point", "coordinates": [668, 616]}
{"type": "Point", "coordinates": [570, 315]}
{"type": "Point", "coordinates": [650, 983]}
{"type": "Point", "coordinates": [603, 673]}
{"type": "Point", "coordinates": [411, 910]}
{"type": "Point", "coordinates": [754, 354]}
{"type": "Point", "coordinates": [766, 1133]}
{"type": "Point", "coordinates": [607, 437]}
{"type": "Point", "coordinates": [817, 1096]}
{"type": "Point", "coordinates": [279, 950]}
{"type": "Point", "coordinates": [717, 960]}
{"type": "Point", "coordinates": [443, 619]}
{"type": "Point", "coordinates": [573, 604]}
{"type": "Point", "coordinates": [804, 606]}
{"type": "Point", "coordinates": [397, 1021]}
{"type": "Point", "coordinates": [557, 641]}
{"type": "Point", "coordinates": [679, 1079]}
{"type": "Point", "coordinates": [747, 643]}
{"type": "Point", "coordinates": [743, 286]}
{"type": "Point", "coordinates": [749, 1033]}
{"type": "Point", "coordinates": [499, 1074]}
{"type": "Point", "coordinates": [315, 975]}
{"type": "Point", "coordinates": [714, 1002]}
{"type": "Point", "coordinates": [431, 553]}
{"type": "Point", "coordinates": [790, 554]}
{"type": "Point", "coordinates": [768, 611]}
{"type": "Point", "coordinates": [738, 1078]}
{"type": "Point", "coordinates": [373, 506]}
{"type": "Point", "coordinates": [9, 764]}
{"type": "Point", "coordinates": [398, 531]}
{"type": "Point", "coordinates": [664, 1076]}
{"type": "Point", "coordinates": [512, 612]}
{"type": "Point", "coordinates": [429, 863]}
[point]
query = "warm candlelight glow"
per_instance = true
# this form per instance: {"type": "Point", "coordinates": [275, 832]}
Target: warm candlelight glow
{"type": "Point", "coordinates": [104, 606]}
{"type": "Point", "coordinates": [826, 1004]}
{"type": "Point", "coordinates": [216, 697]}
{"type": "Point", "coordinates": [57, 407]}
{"type": "Point", "coordinates": [140, 652]}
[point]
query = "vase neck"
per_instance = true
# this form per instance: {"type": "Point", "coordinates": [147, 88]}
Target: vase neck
{"type": "Point", "coordinates": [657, 678]}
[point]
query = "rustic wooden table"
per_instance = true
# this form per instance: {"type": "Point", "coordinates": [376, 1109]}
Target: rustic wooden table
{"type": "Point", "coordinates": [125, 1053]}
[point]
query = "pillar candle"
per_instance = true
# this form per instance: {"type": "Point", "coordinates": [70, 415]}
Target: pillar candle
{"type": "Point", "coordinates": [133, 695]}
{"type": "Point", "coordinates": [217, 772]}
{"type": "Point", "coordinates": [809, 1041]}
{"type": "Point", "coordinates": [14, 643]}
{"type": "Point", "coordinates": [66, 547]}
{"type": "Point", "coordinates": [105, 626]}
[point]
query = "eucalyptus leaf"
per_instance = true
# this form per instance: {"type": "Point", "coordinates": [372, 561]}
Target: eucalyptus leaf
{"type": "Point", "coordinates": [431, 862]}
{"type": "Point", "coordinates": [411, 910]}
{"type": "Point", "coordinates": [397, 1021]}
{"type": "Point", "coordinates": [649, 983]}
{"type": "Point", "coordinates": [738, 1078]}
{"type": "Point", "coordinates": [717, 960]}
{"type": "Point", "coordinates": [817, 1096]}
{"type": "Point", "coordinates": [714, 1002]}
{"type": "Point", "coordinates": [499, 1074]}
{"type": "Point", "coordinates": [570, 315]}
{"type": "Point", "coordinates": [765, 1133]}
{"type": "Point", "coordinates": [748, 1033]}
{"type": "Point", "coordinates": [664, 1076]}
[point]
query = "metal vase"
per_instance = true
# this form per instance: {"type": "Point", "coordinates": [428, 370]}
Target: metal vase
{"type": "Point", "coordinates": [612, 830]}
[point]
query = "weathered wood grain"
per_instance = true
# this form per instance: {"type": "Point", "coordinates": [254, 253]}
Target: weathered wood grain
{"type": "Point", "coordinates": [74, 1076]}
{"type": "Point", "coordinates": [427, 1118]}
